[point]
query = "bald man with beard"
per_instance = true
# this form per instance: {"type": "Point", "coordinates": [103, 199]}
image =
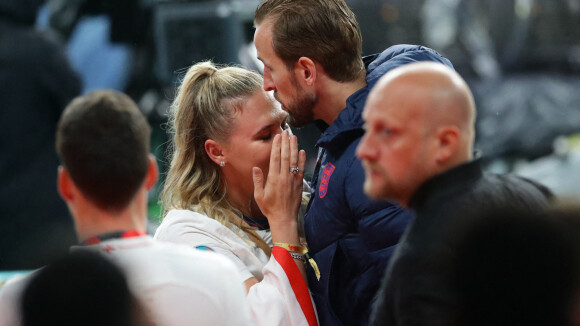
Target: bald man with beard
{"type": "Point", "coordinates": [418, 151]}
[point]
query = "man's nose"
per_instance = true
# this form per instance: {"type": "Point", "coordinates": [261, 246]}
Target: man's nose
{"type": "Point", "coordinates": [364, 150]}
{"type": "Point", "coordinates": [268, 82]}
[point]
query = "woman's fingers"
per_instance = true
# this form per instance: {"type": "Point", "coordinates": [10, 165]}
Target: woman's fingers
{"type": "Point", "coordinates": [301, 163]}
{"type": "Point", "coordinates": [258, 177]}
{"type": "Point", "coordinates": [279, 193]}
{"type": "Point", "coordinates": [275, 156]}
{"type": "Point", "coordinates": [294, 152]}
{"type": "Point", "coordinates": [285, 153]}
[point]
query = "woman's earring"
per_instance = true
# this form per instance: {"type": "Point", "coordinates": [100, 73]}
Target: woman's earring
{"type": "Point", "coordinates": [223, 163]}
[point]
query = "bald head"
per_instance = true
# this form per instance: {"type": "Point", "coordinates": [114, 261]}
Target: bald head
{"type": "Point", "coordinates": [419, 122]}
{"type": "Point", "coordinates": [437, 94]}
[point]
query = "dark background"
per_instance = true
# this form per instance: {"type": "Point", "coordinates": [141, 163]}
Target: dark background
{"type": "Point", "coordinates": [520, 57]}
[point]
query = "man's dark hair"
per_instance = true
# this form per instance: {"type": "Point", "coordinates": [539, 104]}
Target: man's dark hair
{"type": "Point", "coordinates": [325, 31]}
{"type": "Point", "coordinates": [103, 142]}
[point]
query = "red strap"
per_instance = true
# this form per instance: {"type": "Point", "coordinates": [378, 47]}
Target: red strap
{"type": "Point", "coordinates": [297, 283]}
{"type": "Point", "coordinates": [132, 234]}
{"type": "Point", "coordinates": [113, 235]}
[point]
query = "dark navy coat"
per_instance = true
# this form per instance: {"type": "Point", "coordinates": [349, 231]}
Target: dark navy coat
{"type": "Point", "coordinates": [350, 236]}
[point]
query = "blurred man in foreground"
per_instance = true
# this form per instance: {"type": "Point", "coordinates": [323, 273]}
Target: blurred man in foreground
{"type": "Point", "coordinates": [418, 150]}
{"type": "Point", "coordinates": [103, 140]}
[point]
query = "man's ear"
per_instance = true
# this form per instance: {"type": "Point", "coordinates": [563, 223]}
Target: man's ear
{"type": "Point", "coordinates": [64, 184]}
{"type": "Point", "coordinates": [152, 173]}
{"type": "Point", "coordinates": [306, 71]}
{"type": "Point", "coordinates": [214, 151]}
{"type": "Point", "coordinates": [447, 138]}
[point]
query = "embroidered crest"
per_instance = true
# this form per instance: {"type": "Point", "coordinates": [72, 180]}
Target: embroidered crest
{"type": "Point", "coordinates": [326, 173]}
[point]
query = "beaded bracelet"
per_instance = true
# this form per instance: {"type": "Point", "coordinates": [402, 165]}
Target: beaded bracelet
{"type": "Point", "coordinates": [296, 255]}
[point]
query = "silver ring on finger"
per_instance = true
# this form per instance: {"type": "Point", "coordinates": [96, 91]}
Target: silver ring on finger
{"type": "Point", "coordinates": [294, 170]}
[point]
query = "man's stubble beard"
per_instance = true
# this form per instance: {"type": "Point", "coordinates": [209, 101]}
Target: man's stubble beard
{"type": "Point", "coordinates": [301, 108]}
{"type": "Point", "coordinates": [301, 112]}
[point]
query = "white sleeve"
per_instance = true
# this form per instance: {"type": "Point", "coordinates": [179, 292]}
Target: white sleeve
{"type": "Point", "coordinates": [243, 269]}
{"type": "Point", "coordinates": [10, 295]}
{"type": "Point", "coordinates": [194, 229]}
{"type": "Point", "coordinates": [194, 238]}
{"type": "Point", "coordinates": [282, 297]}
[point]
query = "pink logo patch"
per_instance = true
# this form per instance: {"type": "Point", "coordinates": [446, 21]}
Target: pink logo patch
{"type": "Point", "coordinates": [326, 173]}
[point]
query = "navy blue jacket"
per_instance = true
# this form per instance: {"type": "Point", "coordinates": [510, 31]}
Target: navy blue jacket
{"type": "Point", "coordinates": [350, 236]}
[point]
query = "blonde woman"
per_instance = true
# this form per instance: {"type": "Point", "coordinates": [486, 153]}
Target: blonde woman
{"type": "Point", "coordinates": [235, 187]}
